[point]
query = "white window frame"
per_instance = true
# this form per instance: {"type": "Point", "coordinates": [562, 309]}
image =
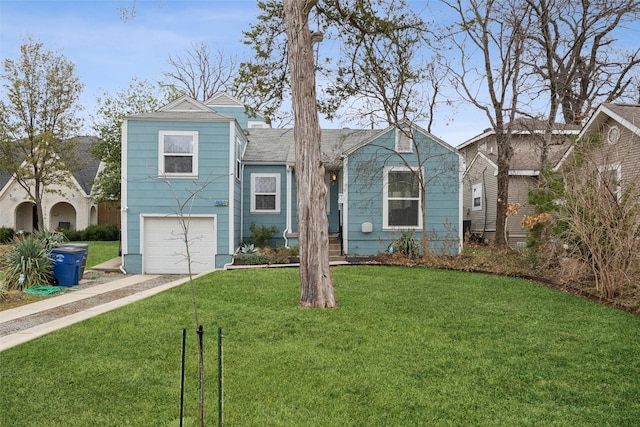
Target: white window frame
{"type": "Point", "coordinates": [238, 146]}
{"type": "Point", "coordinates": [386, 198]}
{"type": "Point", "coordinates": [193, 155]}
{"type": "Point", "coordinates": [618, 170]}
{"type": "Point", "coordinates": [254, 176]}
{"type": "Point", "coordinates": [476, 192]}
{"type": "Point", "coordinates": [404, 143]}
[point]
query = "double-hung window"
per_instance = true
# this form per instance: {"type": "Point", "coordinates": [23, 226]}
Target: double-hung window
{"type": "Point", "coordinates": [265, 192]}
{"type": "Point", "coordinates": [178, 153]}
{"type": "Point", "coordinates": [476, 197]}
{"type": "Point", "coordinates": [401, 198]}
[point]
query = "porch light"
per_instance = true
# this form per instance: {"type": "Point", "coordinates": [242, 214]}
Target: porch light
{"type": "Point", "coordinates": [334, 177]}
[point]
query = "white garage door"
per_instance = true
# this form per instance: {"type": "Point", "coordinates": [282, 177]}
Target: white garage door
{"type": "Point", "coordinates": [164, 250]}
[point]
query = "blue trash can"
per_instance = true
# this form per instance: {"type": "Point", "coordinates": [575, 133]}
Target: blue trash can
{"type": "Point", "coordinates": [66, 265]}
{"type": "Point", "coordinates": [85, 254]}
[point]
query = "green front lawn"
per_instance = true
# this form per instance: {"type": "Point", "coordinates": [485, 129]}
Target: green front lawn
{"type": "Point", "coordinates": [100, 252]}
{"type": "Point", "coordinates": [407, 346]}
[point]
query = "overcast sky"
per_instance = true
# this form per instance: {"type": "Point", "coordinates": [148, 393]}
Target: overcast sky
{"type": "Point", "coordinates": [109, 52]}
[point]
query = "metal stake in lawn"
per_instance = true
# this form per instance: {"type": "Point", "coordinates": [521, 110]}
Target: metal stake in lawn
{"type": "Point", "coordinates": [201, 369]}
{"type": "Point", "coordinates": [220, 381]}
{"type": "Point", "coordinates": [184, 345]}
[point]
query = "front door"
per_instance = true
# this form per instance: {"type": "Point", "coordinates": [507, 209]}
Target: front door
{"type": "Point", "coordinates": [333, 212]}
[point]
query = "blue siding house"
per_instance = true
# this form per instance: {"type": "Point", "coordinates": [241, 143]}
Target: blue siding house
{"type": "Point", "coordinates": [222, 170]}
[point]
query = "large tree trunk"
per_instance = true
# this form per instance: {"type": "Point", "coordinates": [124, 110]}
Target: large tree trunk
{"type": "Point", "coordinates": [316, 288]}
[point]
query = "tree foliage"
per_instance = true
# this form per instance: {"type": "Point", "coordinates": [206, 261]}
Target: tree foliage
{"type": "Point", "coordinates": [38, 115]}
{"type": "Point", "coordinates": [141, 96]}
{"type": "Point", "coordinates": [263, 82]}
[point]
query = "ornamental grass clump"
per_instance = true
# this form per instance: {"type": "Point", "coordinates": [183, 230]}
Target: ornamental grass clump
{"type": "Point", "coordinates": [26, 263]}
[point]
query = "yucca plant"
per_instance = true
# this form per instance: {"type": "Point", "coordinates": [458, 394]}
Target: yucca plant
{"type": "Point", "coordinates": [406, 245]}
{"type": "Point", "coordinates": [26, 263]}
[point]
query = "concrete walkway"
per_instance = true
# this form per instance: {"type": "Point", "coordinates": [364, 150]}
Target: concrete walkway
{"type": "Point", "coordinates": [57, 312]}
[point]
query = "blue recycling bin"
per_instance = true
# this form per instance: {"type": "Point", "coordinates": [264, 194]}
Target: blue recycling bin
{"type": "Point", "coordinates": [66, 265]}
{"type": "Point", "coordinates": [85, 254]}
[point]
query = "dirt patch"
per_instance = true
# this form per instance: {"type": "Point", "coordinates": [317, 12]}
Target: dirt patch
{"type": "Point", "coordinates": [15, 299]}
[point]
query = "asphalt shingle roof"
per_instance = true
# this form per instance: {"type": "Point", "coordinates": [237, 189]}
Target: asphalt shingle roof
{"type": "Point", "coordinates": [84, 176]}
{"type": "Point", "coordinates": [278, 145]}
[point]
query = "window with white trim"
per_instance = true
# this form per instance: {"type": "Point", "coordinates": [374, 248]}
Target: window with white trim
{"type": "Point", "coordinates": [265, 192]}
{"type": "Point", "coordinates": [238, 157]}
{"type": "Point", "coordinates": [476, 197]}
{"type": "Point", "coordinates": [404, 142]}
{"type": "Point", "coordinates": [178, 153]}
{"type": "Point", "coordinates": [401, 198]}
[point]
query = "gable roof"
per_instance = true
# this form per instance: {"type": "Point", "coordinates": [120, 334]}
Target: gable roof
{"type": "Point", "coordinates": [184, 108]}
{"type": "Point", "coordinates": [84, 177]}
{"type": "Point", "coordinates": [223, 99]}
{"type": "Point", "coordinates": [482, 156]}
{"type": "Point", "coordinates": [88, 173]}
{"type": "Point", "coordinates": [403, 123]}
{"type": "Point", "coordinates": [627, 115]}
{"type": "Point", "coordinates": [277, 146]}
{"type": "Point", "coordinates": [524, 126]}
{"type": "Point", "coordinates": [5, 177]}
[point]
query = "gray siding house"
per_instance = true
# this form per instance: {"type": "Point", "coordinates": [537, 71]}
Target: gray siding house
{"type": "Point", "coordinates": [618, 126]}
{"type": "Point", "coordinates": [480, 184]}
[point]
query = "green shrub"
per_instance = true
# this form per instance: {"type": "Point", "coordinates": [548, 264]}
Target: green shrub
{"type": "Point", "coordinates": [406, 245]}
{"type": "Point", "coordinates": [252, 258]}
{"type": "Point", "coordinates": [281, 255]}
{"type": "Point", "coordinates": [6, 234]}
{"type": "Point", "coordinates": [73, 235]}
{"type": "Point", "coordinates": [26, 263]}
{"type": "Point", "coordinates": [103, 232]}
{"type": "Point", "coordinates": [261, 234]}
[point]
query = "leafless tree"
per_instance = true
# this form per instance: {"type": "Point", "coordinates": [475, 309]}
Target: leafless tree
{"type": "Point", "coordinates": [200, 73]}
{"type": "Point", "coordinates": [490, 38]}
{"type": "Point", "coordinates": [572, 52]}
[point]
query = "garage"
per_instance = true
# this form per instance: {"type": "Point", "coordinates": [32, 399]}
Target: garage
{"type": "Point", "coordinates": [164, 251]}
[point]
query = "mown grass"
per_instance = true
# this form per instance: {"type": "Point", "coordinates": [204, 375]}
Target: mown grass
{"type": "Point", "coordinates": [407, 346]}
{"type": "Point", "coordinates": [100, 252]}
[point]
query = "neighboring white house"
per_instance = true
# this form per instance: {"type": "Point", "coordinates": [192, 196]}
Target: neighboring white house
{"type": "Point", "coordinates": [64, 207]}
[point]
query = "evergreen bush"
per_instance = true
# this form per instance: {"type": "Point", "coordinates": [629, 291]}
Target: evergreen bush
{"type": "Point", "coordinates": [6, 235]}
{"type": "Point", "coordinates": [261, 234]}
{"type": "Point", "coordinates": [103, 232]}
